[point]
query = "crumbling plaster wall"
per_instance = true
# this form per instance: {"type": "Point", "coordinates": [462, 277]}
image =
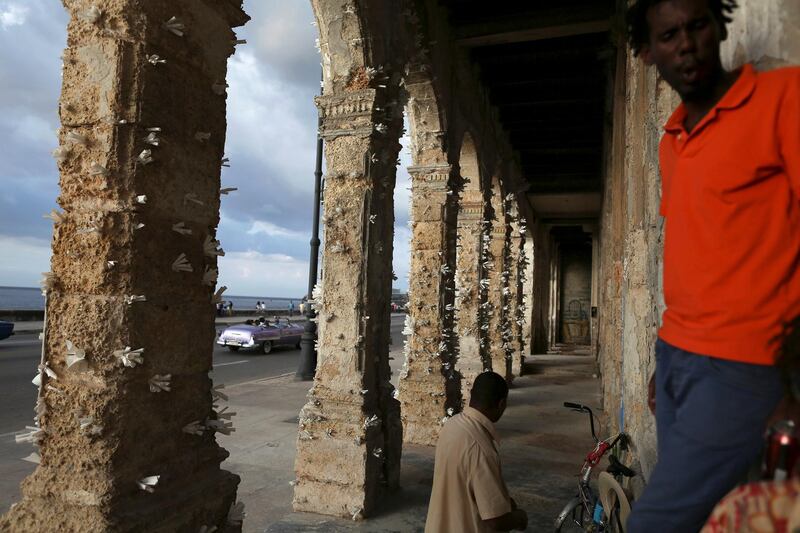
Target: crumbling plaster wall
{"type": "Point", "coordinates": [130, 315]}
{"type": "Point", "coordinates": [765, 33]}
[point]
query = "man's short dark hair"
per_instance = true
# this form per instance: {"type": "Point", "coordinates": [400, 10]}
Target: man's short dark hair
{"type": "Point", "coordinates": [489, 388]}
{"type": "Point", "coordinates": [639, 30]}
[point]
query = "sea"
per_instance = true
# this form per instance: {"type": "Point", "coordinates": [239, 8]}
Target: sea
{"type": "Point", "coordinates": [28, 298]}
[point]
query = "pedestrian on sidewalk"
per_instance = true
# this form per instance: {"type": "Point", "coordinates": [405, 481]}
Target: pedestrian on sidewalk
{"type": "Point", "coordinates": [469, 494]}
{"type": "Point", "coordinates": [730, 171]}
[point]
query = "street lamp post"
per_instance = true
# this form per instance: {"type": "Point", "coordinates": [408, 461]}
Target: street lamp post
{"type": "Point", "coordinates": [308, 352]}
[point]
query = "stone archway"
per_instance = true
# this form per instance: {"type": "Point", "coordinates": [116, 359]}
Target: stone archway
{"type": "Point", "coordinates": [430, 386]}
{"type": "Point", "coordinates": [350, 435]}
{"type": "Point", "coordinates": [495, 267]}
{"type": "Point", "coordinates": [470, 288]}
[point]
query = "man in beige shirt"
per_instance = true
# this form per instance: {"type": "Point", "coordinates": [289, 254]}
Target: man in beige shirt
{"type": "Point", "coordinates": [469, 494]}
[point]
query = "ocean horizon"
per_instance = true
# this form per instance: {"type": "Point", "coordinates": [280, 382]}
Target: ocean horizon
{"type": "Point", "coordinates": [31, 299]}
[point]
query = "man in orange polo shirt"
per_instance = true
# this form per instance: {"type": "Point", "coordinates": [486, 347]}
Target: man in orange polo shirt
{"type": "Point", "coordinates": [730, 170]}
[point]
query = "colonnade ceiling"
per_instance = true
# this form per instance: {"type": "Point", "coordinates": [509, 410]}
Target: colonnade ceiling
{"type": "Point", "coordinates": [545, 65]}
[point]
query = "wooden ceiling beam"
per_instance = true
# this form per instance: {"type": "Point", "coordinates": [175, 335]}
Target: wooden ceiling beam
{"type": "Point", "coordinates": [536, 34]}
{"type": "Point", "coordinates": [596, 150]}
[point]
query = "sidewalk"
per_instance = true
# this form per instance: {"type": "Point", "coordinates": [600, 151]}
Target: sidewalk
{"type": "Point", "coordinates": [542, 446]}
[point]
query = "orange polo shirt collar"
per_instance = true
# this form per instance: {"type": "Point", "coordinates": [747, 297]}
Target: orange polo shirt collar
{"type": "Point", "coordinates": [737, 95]}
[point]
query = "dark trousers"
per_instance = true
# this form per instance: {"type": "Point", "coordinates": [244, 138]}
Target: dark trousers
{"type": "Point", "coordinates": [710, 418]}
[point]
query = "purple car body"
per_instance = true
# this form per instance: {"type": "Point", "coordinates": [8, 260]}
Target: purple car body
{"type": "Point", "coordinates": [263, 336]}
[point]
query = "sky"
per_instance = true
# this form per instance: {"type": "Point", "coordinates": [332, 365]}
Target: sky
{"type": "Point", "coordinates": [271, 142]}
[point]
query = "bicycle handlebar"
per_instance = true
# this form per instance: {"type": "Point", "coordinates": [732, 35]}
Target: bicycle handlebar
{"type": "Point", "coordinates": [583, 408]}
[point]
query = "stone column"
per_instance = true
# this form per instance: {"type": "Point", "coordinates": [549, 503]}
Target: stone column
{"type": "Point", "coordinates": [527, 288]}
{"type": "Point", "coordinates": [125, 413]}
{"type": "Point", "coordinates": [350, 436]}
{"type": "Point", "coordinates": [470, 361]}
{"type": "Point", "coordinates": [542, 287]}
{"type": "Point", "coordinates": [492, 308]}
{"type": "Point", "coordinates": [430, 387]}
{"type": "Point", "coordinates": [513, 304]}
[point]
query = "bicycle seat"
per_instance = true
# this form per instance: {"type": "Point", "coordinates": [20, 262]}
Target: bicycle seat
{"type": "Point", "coordinates": [616, 468]}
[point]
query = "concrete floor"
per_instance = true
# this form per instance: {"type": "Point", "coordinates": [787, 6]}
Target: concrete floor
{"type": "Point", "coordinates": [542, 446]}
{"type": "Point", "coordinates": [20, 354]}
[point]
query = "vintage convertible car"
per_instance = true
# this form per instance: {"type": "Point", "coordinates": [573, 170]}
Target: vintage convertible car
{"type": "Point", "coordinates": [263, 335]}
{"type": "Point", "coordinates": [6, 329]}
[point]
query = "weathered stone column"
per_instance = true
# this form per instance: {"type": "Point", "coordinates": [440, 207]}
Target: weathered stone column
{"type": "Point", "coordinates": [130, 319]}
{"type": "Point", "coordinates": [430, 387]}
{"type": "Point", "coordinates": [349, 443]}
{"type": "Point", "coordinates": [494, 264]}
{"type": "Point", "coordinates": [527, 288]}
{"type": "Point", "coordinates": [471, 361]}
{"type": "Point", "coordinates": [542, 287]}
{"type": "Point", "coordinates": [513, 303]}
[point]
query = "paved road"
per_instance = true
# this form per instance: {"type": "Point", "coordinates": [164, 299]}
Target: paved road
{"type": "Point", "coordinates": [19, 357]}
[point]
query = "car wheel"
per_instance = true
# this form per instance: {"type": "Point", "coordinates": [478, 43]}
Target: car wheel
{"type": "Point", "coordinates": [233, 348]}
{"type": "Point", "coordinates": [266, 347]}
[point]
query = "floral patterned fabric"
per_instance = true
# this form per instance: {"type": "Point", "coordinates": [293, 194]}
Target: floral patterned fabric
{"type": "Point", "coordinates": [766, 507]}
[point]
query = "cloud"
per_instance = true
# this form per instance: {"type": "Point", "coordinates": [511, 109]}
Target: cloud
{"type": "Point", "coordinates": [271, 140]}
{"type": "Point", "coordinates": [254, 273]}
{"type": "Point", "coordinates": [271, 126]}
{"type": "Point", "coordinates": [30, 69]}
{"type": "Point", "coordinates": [402, 256]}
{"type": "Point", "coordinates": [402, 190]}
{"type": "Point", "coordinates": [29, 258]}
{"type": "Point", "coordinates": [273, 230]}
{"type": "Point", "coordinates": [283, 35]}
{"type": "Point", "coordinates": [12, 15]}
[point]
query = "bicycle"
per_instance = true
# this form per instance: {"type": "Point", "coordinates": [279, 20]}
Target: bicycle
{"type": "Point", "coordinates": [607, 509]}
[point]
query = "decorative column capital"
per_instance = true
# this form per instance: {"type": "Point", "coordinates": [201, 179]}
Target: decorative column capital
{"type": "Point", "coordinates": [433, 177]}
{"type": "Point", "coordinates": [471, 211]}
{"type": "Point", "coordinates": [499, 231]}
{"type": "Point", "coordinates": [346, 114]}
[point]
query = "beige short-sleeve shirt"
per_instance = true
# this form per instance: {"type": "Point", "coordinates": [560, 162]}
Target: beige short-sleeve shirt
{"type": "Point", "coordinates": [468, 484]}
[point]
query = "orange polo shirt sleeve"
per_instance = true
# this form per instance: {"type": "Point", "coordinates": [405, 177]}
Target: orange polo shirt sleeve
{"type": "Point", "coordinates": [789, 130]}
{"type": "Point", "coordinates": [731, 202]}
